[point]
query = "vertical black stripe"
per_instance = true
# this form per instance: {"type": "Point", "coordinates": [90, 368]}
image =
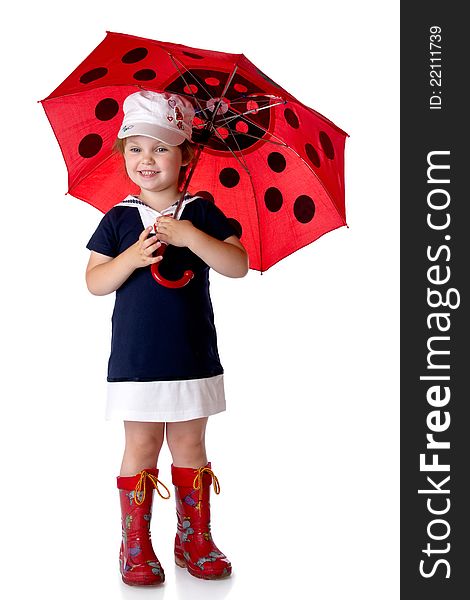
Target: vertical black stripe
{"type": "Point", "coordinates": [435, 119]}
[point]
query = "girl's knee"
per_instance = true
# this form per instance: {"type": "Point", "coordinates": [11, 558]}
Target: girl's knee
{"type": "Point", "coordinates": [144, 438]}
{"type": "Point", "coordinates": [187, 434]}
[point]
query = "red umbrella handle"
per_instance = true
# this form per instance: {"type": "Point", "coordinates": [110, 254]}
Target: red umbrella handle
{"type": "Point", "coordinates": [178, 283]}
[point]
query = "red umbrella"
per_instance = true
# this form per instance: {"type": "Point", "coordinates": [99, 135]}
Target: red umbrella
{"type": "Point", "coordinates": [272, 165]}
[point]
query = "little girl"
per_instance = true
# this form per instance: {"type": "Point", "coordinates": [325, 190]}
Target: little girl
{"type": "Point", "coordinates": [164, 372]}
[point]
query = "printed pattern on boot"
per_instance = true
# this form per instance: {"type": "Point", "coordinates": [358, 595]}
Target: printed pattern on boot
{"type": "Point", "coordinates": [138, 562]}
{"type": "Point", "coordinates": [194, 546]}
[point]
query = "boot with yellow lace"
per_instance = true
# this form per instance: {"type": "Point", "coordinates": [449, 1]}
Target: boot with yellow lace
{"type": "Point", "coordinates": [194, 547]}
{"type": "Point", "coordinates": [138, 562]}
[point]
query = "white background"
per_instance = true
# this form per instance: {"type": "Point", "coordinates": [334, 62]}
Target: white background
{"type": "Point", "coordinates": [307, 453]}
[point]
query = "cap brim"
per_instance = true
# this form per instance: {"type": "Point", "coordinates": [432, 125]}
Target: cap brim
{"type": "Point", "coordinates": [162, 134]}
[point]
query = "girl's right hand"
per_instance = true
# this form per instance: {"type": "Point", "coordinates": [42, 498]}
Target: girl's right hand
{"type": "Point", "coordinates": [141, 252]}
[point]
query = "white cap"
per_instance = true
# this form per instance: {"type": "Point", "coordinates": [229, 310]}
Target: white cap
{"type": "Point", "coordinates": [162, 116]}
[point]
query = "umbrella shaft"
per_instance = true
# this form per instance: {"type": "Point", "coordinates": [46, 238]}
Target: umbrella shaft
{"type": "Point", "coordinates": [188, 179]}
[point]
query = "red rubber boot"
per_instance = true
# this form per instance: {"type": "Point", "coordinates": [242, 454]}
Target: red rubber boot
{"type": "Point", "coordinates": [138, 562]}
{"type": "Point", "coordinates": [194, 547]}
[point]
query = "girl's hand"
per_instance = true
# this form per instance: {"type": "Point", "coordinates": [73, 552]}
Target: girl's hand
{"type": "Point", "coordinates": [105, 274]}
{"type": "Point", "coordinates": [171, 231]}
{"type": "Point", "coordinates": [141, 252]}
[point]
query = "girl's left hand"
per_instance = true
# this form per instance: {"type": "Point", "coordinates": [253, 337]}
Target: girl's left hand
{"type": "Point", "coordinates": [171, 231]}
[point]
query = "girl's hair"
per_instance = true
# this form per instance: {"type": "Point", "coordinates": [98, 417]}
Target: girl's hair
{"type": "Point", "coordinates": [188, 151]}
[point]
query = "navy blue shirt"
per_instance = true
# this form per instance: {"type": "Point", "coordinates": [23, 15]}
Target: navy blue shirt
{"type": "Point", "coordinates": [159, 333]}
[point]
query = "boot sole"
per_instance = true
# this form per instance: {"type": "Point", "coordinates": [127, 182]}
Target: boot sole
{"type": "Point", "coordinates": [142, 583]}
{"type": "Point", "coordinates": [200, 574]}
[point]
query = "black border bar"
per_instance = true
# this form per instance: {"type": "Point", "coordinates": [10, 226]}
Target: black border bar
{"type": "Point", "coordinates": [435, 273]}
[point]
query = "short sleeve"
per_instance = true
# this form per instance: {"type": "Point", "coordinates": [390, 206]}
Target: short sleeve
{"type": "Point", "coordinates": [217, 224]}
{"type": "Point", "coordinates": [104, 240]}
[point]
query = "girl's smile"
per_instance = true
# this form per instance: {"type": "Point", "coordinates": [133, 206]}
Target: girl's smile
{"type": "Point", "coordinates": [148, 174]}
{"type": "Point", "coordinates": [154, 167]}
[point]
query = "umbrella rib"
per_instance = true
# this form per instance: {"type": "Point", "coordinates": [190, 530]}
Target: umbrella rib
{"type": "Point", "coordinates": [196, 79]}
{"type": "Point", "coordinates": [280, 142]}
{"type": "Point", "coordinates": [239, 150]}
{"type": "Point", "coordinates": [215, 110]}
{"type": "Point", "coordinates": [259, 227]}
{"type": "Point", "coordinates": [257, 99]}
{"type": "Point", "coordinates": [253, 191]}
{"type": "Point", "coordinates": [210, 121]}
{"type": "Point", "coordinates": [255, 137]}
{"type": "Point", "coordinates": [252, 111]}
{"type": "Point", "coordinates": [243, 164]}
{"type": "Point", "coordinates": [244, 117]}
{"type": "Point", "coordinates": [254, 197]}
{"type": "Point", "coordinates": [193, 95]}
{"type": "Point", "coordinates": [244, 97]}
{"type": "Point", "coordinates": [259, 223]}
{"type": "Point", "coordinates": [319, 180]}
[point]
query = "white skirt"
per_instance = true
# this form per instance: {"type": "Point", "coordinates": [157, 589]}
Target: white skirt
{"type": "Point", "coordinates": [165, 401]}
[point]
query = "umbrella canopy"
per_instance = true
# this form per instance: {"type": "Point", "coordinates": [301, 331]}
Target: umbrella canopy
{"type": "Point", "coordinates": [274, 166]}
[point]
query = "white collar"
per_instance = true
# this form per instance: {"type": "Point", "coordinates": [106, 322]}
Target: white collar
{"type": "Point", "coordinates": [137, 203]}
{"type": "Point", "coordinates": [149, 214]}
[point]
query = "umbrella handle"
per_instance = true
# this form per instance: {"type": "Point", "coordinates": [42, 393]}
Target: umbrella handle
{"type": "Point", "coordinates": [178, 283]}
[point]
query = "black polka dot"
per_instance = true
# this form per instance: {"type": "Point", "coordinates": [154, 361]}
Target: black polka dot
{"type": "Point", "coordinates": [312, 155]}
{"type": "Point", "coordinates": [291, 118]}
{"type": "Point", "coordinates": [327, 145]}
{"type": "Point", "coordinates": [106, 109]}
{"type": "Point", "coordinates": [206, 195]}
{"type": "Point", "coordinates": [90, 145]}
{"type": "Point", "coordinates": [276, 162]}
{"type": "Point", "coordinates": [193, 55]}
{"type": "Point", "coordinates": [145, 75]}
{"type": "Point", "coordinates": [134, 55]}
{"type": "Point", "coordinates": [236, 225]}
{"type": "Point", "coordinates": [93, 75]}
{"type": "Point", "coordinates": [273, 199]}
{"type": "Point", "coordinates": [229, 177]}
{"type": "Point", "coordinates": [304, 209]}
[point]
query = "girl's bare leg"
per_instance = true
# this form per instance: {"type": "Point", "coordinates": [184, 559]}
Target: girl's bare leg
{"type": "Point", "coordinates": [143, 445]}
{"type": "Point", "coordinates": [186, 441]}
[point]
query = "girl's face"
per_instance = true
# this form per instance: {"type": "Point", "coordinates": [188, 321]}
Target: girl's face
{"type": "Point", "coordinates": [152, 165]}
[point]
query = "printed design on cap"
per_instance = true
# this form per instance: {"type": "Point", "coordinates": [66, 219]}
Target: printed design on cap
{"type": "Point", "coordinates": [179, 118]}
{"type": "Point", "coordinates": [177, 114]}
